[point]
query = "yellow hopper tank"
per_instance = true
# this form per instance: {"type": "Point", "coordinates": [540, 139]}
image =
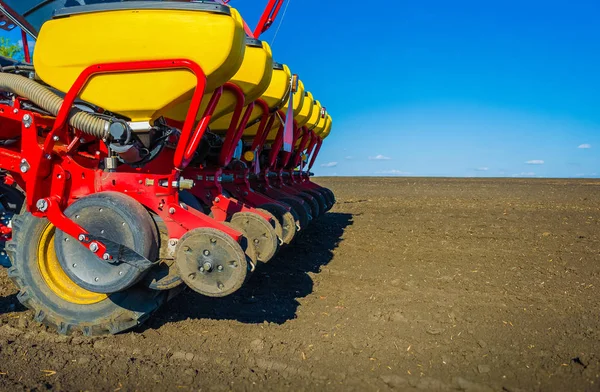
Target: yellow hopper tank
{"type": "Point", "coordinates": [253, 77]}
{"type": "Point", "coordinates": [315, 117]}
{"type": "Point", "coordinates": [298, 101]}
{"type": "Point", "coordinates": [78, 37]}
{"type": "Point", "coordinates": [275, 97]}
{"type": "Point", "coordinates": [306, 110]}
{"type": "Point", "coordinates": [321, 125]}
{"type": "Point", "coordinates": [327, 130]}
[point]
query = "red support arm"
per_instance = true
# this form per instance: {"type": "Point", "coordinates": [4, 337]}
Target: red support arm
{"type": "Point", "coordinates": [26, 53]}
{"type": "Point", "coordinates": [268, 17]}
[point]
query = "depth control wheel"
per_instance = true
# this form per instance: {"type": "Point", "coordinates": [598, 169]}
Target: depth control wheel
{"type": "Point", "coordinates": [323, 205]}
{"type": "Point", "coordinates": [315, 210]}
{"type": "Point", "coordinates": [259, 232]}
{"type": "Point", "coordinates": [210, 262]}
{"type": "Point", "coordinates": [285, 218]}
{"type": "Point", "coordinates": [302, 210]}
{"type": "Point", "coordinates": [275, 224]}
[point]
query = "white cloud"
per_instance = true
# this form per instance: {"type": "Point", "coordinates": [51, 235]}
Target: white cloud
{"type": "Point", "coordinates": [535, 162]}
{"type": "Point", "coordinates": [380, 158]}
{"type": "Point", "coordinates": [524, 174]}
{"type": "Point", "coordinates": [585, 146]}
{"type": "Point", "coordinates": [329, 164]}
{"type": "Point", "coordinates": [393, 172]}
{"type": "Point", "coordinates": [349, 157]}
{"type": "Point", "coordinates": [482, 169]}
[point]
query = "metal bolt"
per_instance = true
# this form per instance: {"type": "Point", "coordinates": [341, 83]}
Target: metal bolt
{"type": "Point", "coordinates": [256, 241]}
{"type": "Point", "coordinates": [96, 279]}
{"type": "Point", "coordinates": [220, 286]}
{"type": "Point", "coordinates": [217, 199]}
{"type": "Point", "coordinates": [201, 269]}
{"type": "Point", "coordinates": [74, 265]}
{"type": "Point", "coordinates": [94, 247]}
{"type": "Point", "coordinates": [207, 266]}
{"type": "Point", "coordinates": [213, 241]}
{"type": "Point", "coordinates": [42, 205]}
{"type": "Point", "coordinates": [81, 237]}
{"type": "Point", "coordinates": [16, 111]}
{"type": "Point", "coordinates": [27, 120]}
{"type": "Point", "coordinates": [206, 252]}
{"type": "Point", "coordinates": [48, 156]}
{"type": "Point", "coordinates": [220, 268]}
{"type": "Point", "coordinates": [173, 242]}
{"type": "Point", "coordinates": [187, 248]}
{"type": "Point", "coordinates": [59, 176]}
{"type": "Point", "coordinates": [55, 138]}
{"type": "Point", "coordinates": [171, 210]}
{"type": "Point", "coordinates": [106, 256]}
{"type": "Point", "coordinates": [24, 166]}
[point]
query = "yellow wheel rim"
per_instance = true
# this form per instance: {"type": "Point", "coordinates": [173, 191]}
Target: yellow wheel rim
{"type": "Point", "coordinates": [56, 278]}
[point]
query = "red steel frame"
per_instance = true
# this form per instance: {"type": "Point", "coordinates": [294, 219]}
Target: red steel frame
{"type": "Point", "coordinates": [58, 176]}
{"type": "Point", "coordinates": [268, 17]}
{"type": "Point", "coordinates": [239, 186]}
{"type": "Point", "coordinates": [208, 185]}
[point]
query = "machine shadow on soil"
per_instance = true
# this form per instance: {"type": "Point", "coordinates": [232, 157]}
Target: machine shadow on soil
{"type": "Point", "coordinates": [272, 295]}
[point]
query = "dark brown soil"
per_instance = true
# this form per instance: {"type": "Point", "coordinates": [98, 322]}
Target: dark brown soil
{"type": "Point", "coordinates": [431, 284]}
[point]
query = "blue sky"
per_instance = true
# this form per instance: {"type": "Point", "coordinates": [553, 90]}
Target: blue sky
{"type": "Point", "coordinates": [439, 88]}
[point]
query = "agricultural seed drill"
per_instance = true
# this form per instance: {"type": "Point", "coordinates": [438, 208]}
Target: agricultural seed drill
{"type": "Point", "coordinates": [135, 163]}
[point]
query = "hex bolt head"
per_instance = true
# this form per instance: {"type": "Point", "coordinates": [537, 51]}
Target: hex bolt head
{"type": "Point", "coordinates": [220, 268]}
{"type": "Point", "coordinates": [256, 241]}
{"type": "Point", "coordinates": [42, 205]}
{"type": "Point", "coordinates": [27, 120]}
{"type": "Point", "coordinates": [206, 252]}
{"type": "Point", "coordinates": [171, 210]}
{"type": "Point", "coordinates": [207, 266]}
{"type": "Point", "coordinates": [173, 242]}
{"type": "Point", "coordinates": [24, 167]}
{"type": "Point", "coordinates": [106, 256]}
{"type": "Point", "coordinates": [217, 199]}
{"type": "Point", "coordinates": [94, 247]}
{"type": "Point", "coordinates": [55, 138]}
{"type": "Point", "coordinates": [81, 237]}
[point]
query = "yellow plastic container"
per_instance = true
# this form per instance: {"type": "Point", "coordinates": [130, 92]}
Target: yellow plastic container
{"type": "Point", "coordinates": [298, 101]}
{"type": "Point", "coordinates": [208, 34]}
{"type": "Point", "coordinates": [321, 126]}
{"type": "Point", "coordinates": [306, 110]}
{"type": "Point", "coordinates": [315, 116]}
{"type": "Point", "coordinates": [253, 77]}
{"type": "Point", "coordinates": [327, 130]}
{"type": "Point", "coordinates": [276, 95]}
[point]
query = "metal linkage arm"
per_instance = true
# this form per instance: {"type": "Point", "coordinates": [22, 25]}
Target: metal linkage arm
{"type": "Point", "coordinates": [268, 17]}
